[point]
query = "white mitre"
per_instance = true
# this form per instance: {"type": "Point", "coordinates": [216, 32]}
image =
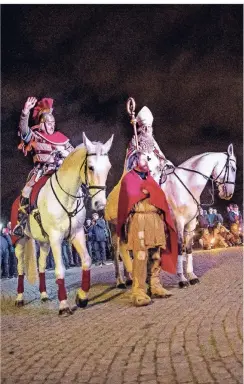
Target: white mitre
{"type": "Point", "coordinates": [144, 117]}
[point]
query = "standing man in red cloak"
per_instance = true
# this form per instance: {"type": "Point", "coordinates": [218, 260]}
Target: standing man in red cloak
{"type": "Point", "coordinates": [145, 223]}
{"type": "Point", "coordinates": [47, 147]}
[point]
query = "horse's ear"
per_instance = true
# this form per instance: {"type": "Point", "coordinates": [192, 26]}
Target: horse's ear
{"type": "Point", "coordinates": [108, 144]}
{"type": "Point", "coordinates": [88, 144]}
{"type": "Point", "coordinates": [230, 150]}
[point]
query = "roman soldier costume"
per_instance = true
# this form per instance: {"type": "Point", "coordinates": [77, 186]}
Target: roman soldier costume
{"type": "Point", "coordinates": [47, 147]}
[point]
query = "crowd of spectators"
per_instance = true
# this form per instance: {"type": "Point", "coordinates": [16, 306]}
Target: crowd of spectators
{"type": "Point", "coordinates": [98, 241]}
{"type": "Point", "coordinates": [214, 230]}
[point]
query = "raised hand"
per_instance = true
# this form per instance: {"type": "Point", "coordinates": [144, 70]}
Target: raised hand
{"type": "Point", "coordinates": [30, 103]}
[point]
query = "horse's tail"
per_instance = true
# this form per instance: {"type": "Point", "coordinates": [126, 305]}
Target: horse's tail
{"type": "Point", "coordinates": [30, 261]}
{"type": "Point", "coordinates": [111, 209]}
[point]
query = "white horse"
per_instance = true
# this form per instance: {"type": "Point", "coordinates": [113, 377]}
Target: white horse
{"type": "Point", "coordinates": [183, 186]}
{"type": "Point", "coordinates": [183, 189]}
{"type": "Point", "coordinates": [61, 206]}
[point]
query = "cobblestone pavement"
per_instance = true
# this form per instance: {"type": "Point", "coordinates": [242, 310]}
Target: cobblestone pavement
{"type": "Point", "coordinates": [193, 337]}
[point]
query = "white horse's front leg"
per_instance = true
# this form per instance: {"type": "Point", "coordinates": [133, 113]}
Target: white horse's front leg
{"type": "Point", "coordinates": [183, 282]}
{"type": "Point", "coordinates": [19, 253]}
{"type": "Point", "coordinates": [193, 279]}
{"type": "Point", "coordinates": [180, 272]}
{"type": "Point", "coordinates": [44, 250]}
{"type": "Point", "coordinates": [79, 243]}
{"type": "Point", "coordinates": [56, 245]}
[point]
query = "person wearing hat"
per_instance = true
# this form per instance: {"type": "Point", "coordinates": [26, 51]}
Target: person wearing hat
{"type": "Point", "coordinates": [47, 147]}
{"type": "Point", "coordinates": [146, 141]}
{"type": "Point", "coordinates": [145, 224]}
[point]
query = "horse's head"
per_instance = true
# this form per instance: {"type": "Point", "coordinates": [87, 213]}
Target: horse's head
{"type": "Point", "coordinates": [154, 165]}
{"type": "Point", "coordinates": [153, 162]}
{"type": "Point", "coordinates": [96, 170]}
{"type": "Point", "coordinates": [224, 173]}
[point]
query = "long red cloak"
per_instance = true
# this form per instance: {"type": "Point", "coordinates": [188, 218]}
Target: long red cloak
{"type": "Point", "coordinates": [130, 194]}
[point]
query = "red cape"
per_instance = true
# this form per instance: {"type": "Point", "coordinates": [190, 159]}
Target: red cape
{"type": "Point", "coordinates": [55, 138]}
{"type": "Point", "coordinates": [130, 194]}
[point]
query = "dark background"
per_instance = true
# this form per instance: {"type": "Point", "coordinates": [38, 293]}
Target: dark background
{"type": "Point", "coordinates": [183, 61]}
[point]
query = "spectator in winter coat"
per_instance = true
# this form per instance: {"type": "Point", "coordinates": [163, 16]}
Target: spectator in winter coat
{"type": "Point", "coordinates": [230, 216]}
{"type": "Point", "coordinates": [66, 253]}
{"type": "Point", "coordinates": [219, 217]}
{"type": "Point", "coordinates": [212, 219]}
{"type": "Point", "coordinates": [88, 228]}
{"type": "Point", "coordinates": [203, 219]}
{"type": "Point", "coordinates": [4, 256]}
{"type": "Point", "coordinates": [99, 232]}
{"type": "Point", "coordinates": [237, 214]}
{"type": "Point", "coordinates": [12, 258]}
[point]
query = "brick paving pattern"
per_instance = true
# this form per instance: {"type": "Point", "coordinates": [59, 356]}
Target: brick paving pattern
{"type": "Point", "coordinates": [193, 337]}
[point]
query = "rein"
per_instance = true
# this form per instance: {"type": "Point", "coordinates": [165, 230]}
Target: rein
{"type": "Point", "coordinates": [86, 196]}
{"type": "Point", "coordinates": [225, 181]}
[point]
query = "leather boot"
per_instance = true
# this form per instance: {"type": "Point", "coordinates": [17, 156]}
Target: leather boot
{"type": "Point", "coordinates": [156, 287]}
{"type": "Point", "coordinates": [22, 217]}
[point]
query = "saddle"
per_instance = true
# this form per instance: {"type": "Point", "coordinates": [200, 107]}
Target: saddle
{"type": "Point", "coordinates": [36, 190]}
{"type": "Point", "coordinates": [32, 204]}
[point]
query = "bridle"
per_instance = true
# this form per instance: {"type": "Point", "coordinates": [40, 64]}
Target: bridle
{"type": "Point", "coordinates": [85, 187]}
{"type": "Point", "coordinates": [226, 169]}
{"type": "Point", "coordinates": [225, 180]}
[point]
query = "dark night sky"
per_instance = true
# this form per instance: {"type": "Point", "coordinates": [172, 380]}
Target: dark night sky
{"type": "Point", "coordinates": [183, 61]}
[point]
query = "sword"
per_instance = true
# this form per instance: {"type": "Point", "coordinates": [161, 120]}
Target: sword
{"type": "Point", "coordinates": [130, 106]}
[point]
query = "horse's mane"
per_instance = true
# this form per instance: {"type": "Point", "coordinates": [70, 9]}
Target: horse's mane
{"type": "Point", "coordinates": [194, 159]}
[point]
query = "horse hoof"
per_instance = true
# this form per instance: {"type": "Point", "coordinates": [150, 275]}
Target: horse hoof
{"type": "Point", "coordinates": [19, 303]}
{"type": "Point", "coordinates": [129, 282]}
{"type": "Point", "coordinates": [81, 303]}
{"type": "Point", "coordinates": [65, 312]}
{"type": "Point", "coordinates": [45, 299]}
{"type": "Point", "coordinates": [194, 281]}
{"type": "Point", "coordinates": [121, 286]}
{"type": "Point", "coordinates": [183, 284]}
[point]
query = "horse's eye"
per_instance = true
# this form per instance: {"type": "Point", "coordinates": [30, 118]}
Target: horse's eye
{"type": "Point", "coordinates": [233, 169]}
{"type": "Point", "coordinates": [91, 168]}
{"type": "Point", "coordinates": [148, 158]}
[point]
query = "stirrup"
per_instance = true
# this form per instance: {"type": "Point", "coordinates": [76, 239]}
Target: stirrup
{"type": "Point", "coordinates": [20, 227]}
{"type": "Point", "coordinates": [18, 230]}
